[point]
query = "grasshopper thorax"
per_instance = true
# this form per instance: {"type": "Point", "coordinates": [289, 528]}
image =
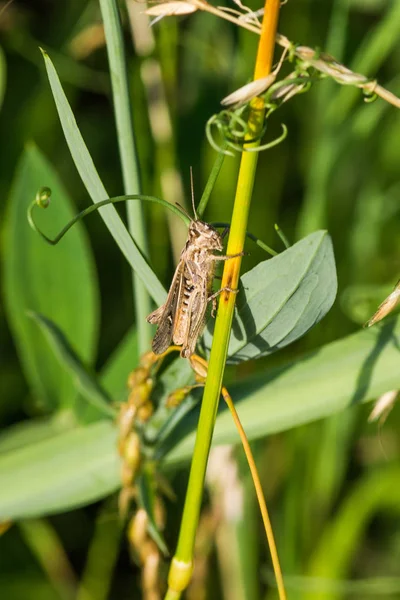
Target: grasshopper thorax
{"type": "Point", "coordinates": [204, 235]}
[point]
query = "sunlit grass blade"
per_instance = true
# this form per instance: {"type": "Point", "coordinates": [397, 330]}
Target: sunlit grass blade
{"type": "Point", "coordinates": [85, 166]}
{"type": "Point", "coordinates": [82, 465]}
{"type": "Point", "coordinates": [337, 376]}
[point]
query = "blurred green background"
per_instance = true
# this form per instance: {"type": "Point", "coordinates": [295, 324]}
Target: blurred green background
{"type": "Point", "coordinates": [332, 486]}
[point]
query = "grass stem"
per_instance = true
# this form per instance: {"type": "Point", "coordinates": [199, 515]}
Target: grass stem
{"type": "Point", "coordinates": [127, 149]}
{"type": "Point", "coordinates": [181, 567]}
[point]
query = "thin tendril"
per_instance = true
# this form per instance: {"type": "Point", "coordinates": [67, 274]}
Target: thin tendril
{"type": "Point", "coordinates": [282, 236]}
{"type": "Point", "coordinates": [263, 245]}
{"type": "Point", "coordinates": [220, 149]}
{"type": "Point", "coordinates": [42, 200]}
{"type": "Point", "coordinates": [270, 144]}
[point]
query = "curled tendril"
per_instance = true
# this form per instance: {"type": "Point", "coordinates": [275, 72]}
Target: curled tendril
{"type": "Point", "coordinates": [310, 65]}
{"type": "Point", "coordinates": [368, 97]}
{"type": "Point", "coordinates": [213, 122]}
{"type": "Point", "coordinates": [43, 197]}
{"type": "Point", "coordinates": [370, 94]}
{"type": "Point", "coordinates": [226, 124]}
{"type": "Point", "coordinates": [42, 200]}
{"type": "Point", "coordinates": [274, 142]}
{"type": "Point", "coordinates": [234, 119]}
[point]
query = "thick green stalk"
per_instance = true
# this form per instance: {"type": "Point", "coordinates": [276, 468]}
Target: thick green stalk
{"type": "Point", "coordinates": [182, 564]}
{"type": "Point", "coordinates": [127, 149]}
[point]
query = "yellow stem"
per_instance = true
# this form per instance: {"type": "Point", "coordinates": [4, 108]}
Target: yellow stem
{"type": "Point", "coordinates": [259, 493]}
{"type": "Point", "coordinates": [182, 563]}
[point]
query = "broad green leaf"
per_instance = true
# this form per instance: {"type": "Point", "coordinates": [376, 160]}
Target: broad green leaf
{"type": "Point", "coordinates": [96, 190]}
{"type": "Point", "coordinates": [80, 466]}
{"type": "Point", "coordinates": [85, 381]}
{"type": "Point", "coordinates": [282, 298]}
{"type": "Point", "coordinates": [57, 281]}
{"type": "Point", "coordinates": [35, 430]}
{"type": "Point", "coordinates": [56, 474]}
{"type": "Point", "coordinates": [328, 380]}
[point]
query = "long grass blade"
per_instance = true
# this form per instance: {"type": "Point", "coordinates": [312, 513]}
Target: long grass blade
{"type": "Point", "coordinates": [96, 190]}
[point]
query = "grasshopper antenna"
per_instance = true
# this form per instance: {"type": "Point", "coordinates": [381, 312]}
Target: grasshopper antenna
{"type": "Point", "coordinates": [184, 211]}
{"type": "Point", "coordinates": [192, 189]}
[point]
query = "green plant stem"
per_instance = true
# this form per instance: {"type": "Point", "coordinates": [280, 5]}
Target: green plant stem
{"type": "Point", "coordinates": [251, 236]}
{"type": "Point", "coordinates": [127, 149]}
{"type": "Point", "coordinates": [211, 182]}
{"type": "Point", "coordinates": [95, 188]}
{"type": "Point", "coordinates": [182, 563]}
{"type": "Point", "coordinates": [90, 209]}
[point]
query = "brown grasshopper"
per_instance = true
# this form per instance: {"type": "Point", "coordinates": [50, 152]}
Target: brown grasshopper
{"type": "Point", "coordinates": [182, 318]}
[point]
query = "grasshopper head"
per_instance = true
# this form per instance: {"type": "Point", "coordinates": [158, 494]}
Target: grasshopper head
{"type": "Point", "coordinates": [204, 235]}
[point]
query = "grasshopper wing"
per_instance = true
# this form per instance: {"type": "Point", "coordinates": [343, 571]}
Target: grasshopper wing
{"type": "Point", "coordinates": [165, 316]}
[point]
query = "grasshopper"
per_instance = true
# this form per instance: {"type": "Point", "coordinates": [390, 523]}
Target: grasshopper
{"type": "Point", "coordinates": [182, 318]}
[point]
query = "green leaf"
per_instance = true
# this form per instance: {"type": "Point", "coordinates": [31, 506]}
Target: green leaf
{"type": "Point", "coordinates": [60, 282]}
{"type": "Point", "coordinates": [82, 465]}
{"type": "Point", "coordinates": [57, 474]}
{"type": "Point", "coordinates": [84, 380]}
{"type": "Point", "coordinates": [321, 383]}
{"type": "Point", "coordinates": [96, 190]}
{"type": "Point", "coordinates": [282, 298]}
{"type": "Point", "coordinates": [35, 430]}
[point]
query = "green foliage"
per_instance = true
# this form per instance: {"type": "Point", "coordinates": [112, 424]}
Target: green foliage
{"type": "Point", "coordinates": [61, 472]}
{"type": "Point", "coordinates": [330, 477]}
{"type": "Point", "coordinates": [95, 187]}
{"type": "Point", "coordinates": [282, 298]}
{"type": "Point", "coordinates": [84, 381]}
{"type": "Point", "coordinates": [341, 375]}
{"type": "Point", "coordinates": [45, 280]}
